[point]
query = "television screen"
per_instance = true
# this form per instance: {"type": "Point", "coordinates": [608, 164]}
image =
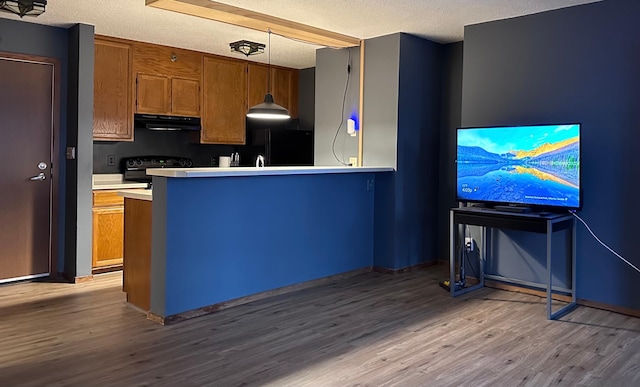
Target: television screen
{"type": "Point", "coordinates": [520, 165]}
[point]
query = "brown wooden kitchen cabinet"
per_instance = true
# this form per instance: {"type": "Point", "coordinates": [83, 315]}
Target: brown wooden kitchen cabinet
{"type": "Point", "coordinates": [153, 94]}
{"type": "Point", "coordinates": [167, 80]}
{"type": "Point", "coordinates": [284, 86]}
{"type": "Point", "coordinates": [136, 272]}
{"type": "Point", "coordinates": [160, 94]}
{"type": "Point", "coordinates": [112, 100]}
{"type": "Point", "coordinates": [108, 230]}
{"type": "Point", "coordinates": [224, 101]}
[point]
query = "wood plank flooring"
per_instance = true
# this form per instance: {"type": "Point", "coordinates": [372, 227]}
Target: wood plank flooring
{"type": "Point", "coordinates": [369, 330]}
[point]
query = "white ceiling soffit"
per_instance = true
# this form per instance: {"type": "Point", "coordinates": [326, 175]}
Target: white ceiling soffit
{"type": "Point", "coordinates": [438, 20]}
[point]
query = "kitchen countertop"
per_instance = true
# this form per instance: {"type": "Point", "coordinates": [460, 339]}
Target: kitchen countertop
{"type": "Point", "coordinates": [114, 181]}
{"type": "Point", "coordinates": [140, 194]}
{"type": "Point", "coordinates": [253, 171]}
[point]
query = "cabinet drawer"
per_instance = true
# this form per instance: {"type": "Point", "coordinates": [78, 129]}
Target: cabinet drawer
{"type": "Point", "coordinates": [102, 198]}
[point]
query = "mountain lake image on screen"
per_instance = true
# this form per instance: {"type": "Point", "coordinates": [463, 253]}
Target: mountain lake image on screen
{"type": "Point", "coordinates": [520, 165]}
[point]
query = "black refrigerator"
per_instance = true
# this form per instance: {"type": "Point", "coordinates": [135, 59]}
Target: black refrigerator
{"type": "Point", "coordinates": [281, 144]}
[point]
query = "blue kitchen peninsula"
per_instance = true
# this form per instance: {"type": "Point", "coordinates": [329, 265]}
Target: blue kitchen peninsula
{"type": "Point", "coordinates": [226, 236]}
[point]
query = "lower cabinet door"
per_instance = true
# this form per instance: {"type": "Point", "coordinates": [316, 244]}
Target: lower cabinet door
{"type": "Point", "coordinates": [108, 235]}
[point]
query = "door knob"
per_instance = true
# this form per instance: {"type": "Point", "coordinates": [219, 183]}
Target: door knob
{"type": "Point", "coordinates": [39, 176]}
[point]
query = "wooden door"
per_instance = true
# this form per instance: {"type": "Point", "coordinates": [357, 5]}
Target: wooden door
{"type": "Point", "coordinates": [225, 106]}
{"type": "Point", "coordinates": [185, 97]}
{"type": "Point", "coordinates": [26, 125]}
{"type": "Point", "coordinates": [153, 94]}
{"type": "Point", "coordinates": [257, 79]}
{"type": "Point", "coordinates": [112, 105]}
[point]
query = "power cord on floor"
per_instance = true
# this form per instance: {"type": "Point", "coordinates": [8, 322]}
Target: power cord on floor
{"type": "Point", "coordinates": [604, 244]}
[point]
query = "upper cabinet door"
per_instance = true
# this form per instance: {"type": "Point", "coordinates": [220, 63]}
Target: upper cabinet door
{"type": "Point", "coordinates": [153, 94]}
{"type": "Point", "coordinates": [225, 101]}
{"type": "Point", "coordinates": [112, 100]}
{"type": "Point", "coordinates": [285, 89]}
{"type": "Point", "coordinates": [185, 97]}
{"type": "Point", "coordinates": [257, 81]}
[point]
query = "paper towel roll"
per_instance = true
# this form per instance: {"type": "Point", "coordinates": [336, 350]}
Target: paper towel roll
{"type": "Point", "coordinates": [224, 161]}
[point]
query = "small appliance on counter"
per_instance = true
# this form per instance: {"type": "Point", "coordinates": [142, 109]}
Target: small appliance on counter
{"type": "Point", "coordinates": [135, 168]}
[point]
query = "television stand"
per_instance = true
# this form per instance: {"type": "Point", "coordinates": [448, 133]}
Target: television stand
{"type": "Point", "coordinates": [518, 209]}
{"type": "Point", "coordinates": [541, 223]}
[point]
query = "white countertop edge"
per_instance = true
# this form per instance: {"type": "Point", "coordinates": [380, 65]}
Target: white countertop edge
{"type": "Point", "coordinates": [252, 171]}
{"type": "Point", "coordinates": [141, 194]}
{"type": "Point", "coordinates": [115, 185]}
{"type": "Point", "coordinates": [113, 181]}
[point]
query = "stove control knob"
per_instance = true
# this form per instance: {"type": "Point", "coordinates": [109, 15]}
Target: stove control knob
{"type": "Point", "coordinates": [188, 163]}
{"type": "Point", "coordinates": [131, 163]}
{"type": "Point", "coordinates": [138, 162]}
{"type": "Point", "coordinates": [182, 163]}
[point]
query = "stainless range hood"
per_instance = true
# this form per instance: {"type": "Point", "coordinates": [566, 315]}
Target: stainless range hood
{"type": "Point", "coordinates": [166, 123]}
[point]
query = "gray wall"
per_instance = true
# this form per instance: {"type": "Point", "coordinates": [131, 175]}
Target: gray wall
{"type": "Point", "coordinates": [307, 98]}
{"type": "Point", "coordinates": [330, 117]}
{"type": "Point", "coordinates": [577, 64]}
{"type": "Point", "coordinates": [80, 135]}
{"type": "Point", "coordinates": [380, 122]}
{"type": "Point", "coordinates": [35, 39]}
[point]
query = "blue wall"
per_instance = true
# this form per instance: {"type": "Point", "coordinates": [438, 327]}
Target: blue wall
{"type": "Point", "coordinates": [419, 113]}
{"type": "Point", "coordinates": [451, 102]}
{"type": "Point", "coordinates": [578, 64]}
{"type": "Point", "coordinates": [401, 126]}
{"type": "Point", "coordinates": [229, 237]}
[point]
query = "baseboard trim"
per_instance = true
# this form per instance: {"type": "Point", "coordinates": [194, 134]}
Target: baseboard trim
{"type": "Point", "coordinates": [610, 308]}
{"type": "Point", "coordinates": [419, 266]}
{"type": "Point", "coordinates": [76, 280]}
{"type": "Point", "coordinates": [563, 298]}
{"type": "Point", "coordinates": [525, 290]}
{"type": "Point", "coordinates": [106, 269]}
{"type": "Point", "coordinates": [179, 317]}
{"type": "Point", "coordinates": [83, 279]}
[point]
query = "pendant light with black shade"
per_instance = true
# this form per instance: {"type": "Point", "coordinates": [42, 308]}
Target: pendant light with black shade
{"type": "Point", "coordinates": [268, 109]}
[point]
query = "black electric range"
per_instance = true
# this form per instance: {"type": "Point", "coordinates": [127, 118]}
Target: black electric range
{"type": "Point", "coordinates": [135, 168]}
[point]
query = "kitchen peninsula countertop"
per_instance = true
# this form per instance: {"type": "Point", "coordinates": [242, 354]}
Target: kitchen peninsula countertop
{"type": "Point", "coordinates": [253, 171]}
{"type": "Point", "coordinates": [113, 181]}
{"type": "Point", "coordinates": [140, 194]}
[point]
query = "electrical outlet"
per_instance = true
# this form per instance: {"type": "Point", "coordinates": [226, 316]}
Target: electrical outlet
{"type": "Point", "coordinates": [370, 185]}
{"type": "Point", "coordinates": [111, 160]}
{"type": "Point", "coordinates": [469, 244]}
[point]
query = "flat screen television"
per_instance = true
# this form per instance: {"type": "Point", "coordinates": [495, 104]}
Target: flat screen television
{"type": "Point", "coordinates": [527, 167]}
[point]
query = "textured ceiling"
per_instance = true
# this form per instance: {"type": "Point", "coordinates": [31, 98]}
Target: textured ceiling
{"type": "Point", "coordinates": [438, 20]}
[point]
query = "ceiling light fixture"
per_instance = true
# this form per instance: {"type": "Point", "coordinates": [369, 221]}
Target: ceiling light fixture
{"type": "Point", "coordinates": [268, 109]}
{"type": "Point", "coordinates": [246, 47]}
{"type": "Point", "coordinates": [23, 7]}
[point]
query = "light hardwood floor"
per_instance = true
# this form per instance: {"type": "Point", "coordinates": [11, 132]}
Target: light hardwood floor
{"type": "Point", "coordinates": [369, 330]}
